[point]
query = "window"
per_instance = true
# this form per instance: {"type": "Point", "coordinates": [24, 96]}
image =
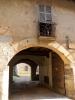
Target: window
{"type": "Point", "coordinates": [45, 21]}
{"type": "Point", "coordinates": [45, 14]}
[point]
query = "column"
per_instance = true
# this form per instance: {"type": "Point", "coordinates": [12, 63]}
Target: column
{"type": "Point", "coordinates": [50, 70]}
{"type": "Point", "coordinates": [5, 84]}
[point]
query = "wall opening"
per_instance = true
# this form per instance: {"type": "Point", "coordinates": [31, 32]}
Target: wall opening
{"type": "Point", "coordinates": [46, 25]}
{"type": "Point", "coordinates": [47, 68]}
{"type": "Point", "coordinates": [21, 72]}
{"type": "Point", "coordinates": [37, 73]}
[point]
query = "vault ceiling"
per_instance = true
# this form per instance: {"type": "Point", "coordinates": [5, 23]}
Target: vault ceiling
{"type": "Point", "coordinates": [39, 51]}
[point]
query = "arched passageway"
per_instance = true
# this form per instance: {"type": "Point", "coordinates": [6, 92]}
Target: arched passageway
{"type": "Point", "coordinates": [21, 71]}
{"type": "Point", "coordinates": [51, 67]}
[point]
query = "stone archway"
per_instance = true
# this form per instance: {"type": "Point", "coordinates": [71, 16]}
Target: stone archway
{"type": "Point", "coordinates": [66, 56]}
{"type": "Point", "coordinates": [57, 48]}
{"type": "Point", "coordinates": [14, 62]}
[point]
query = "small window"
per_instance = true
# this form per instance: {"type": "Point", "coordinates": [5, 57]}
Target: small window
{"type": "Point", "coordinates": [45, 21]}
{"type": "Point", "coordinates": [45, 14]}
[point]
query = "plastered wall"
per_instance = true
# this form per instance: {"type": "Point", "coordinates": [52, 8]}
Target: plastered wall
{"type": "Point", "coordinates": [21, 18]}
{"type": "Point", "coordinates": [64, 17]}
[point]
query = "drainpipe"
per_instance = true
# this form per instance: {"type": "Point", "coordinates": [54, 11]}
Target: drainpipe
{"type": "Point", "coordinates": [67, 40]}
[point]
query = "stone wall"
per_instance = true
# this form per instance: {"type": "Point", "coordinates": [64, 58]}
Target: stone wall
{"type": "Point", "coordinates": [19, 29]}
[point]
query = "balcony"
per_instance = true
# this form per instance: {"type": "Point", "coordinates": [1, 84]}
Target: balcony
{"type": "Point", "coordinates": [47, 32]}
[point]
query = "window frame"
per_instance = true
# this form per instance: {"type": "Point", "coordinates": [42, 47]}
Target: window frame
{"type": "Point", "coordinates": [45, 13]}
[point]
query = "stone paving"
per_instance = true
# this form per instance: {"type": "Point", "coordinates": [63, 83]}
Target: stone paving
{"type": "Point", "coordinates": [35, 93]}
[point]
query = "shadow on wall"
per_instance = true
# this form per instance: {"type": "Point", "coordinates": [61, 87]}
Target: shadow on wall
{"type": "Point", "coordinates": [65, 4]}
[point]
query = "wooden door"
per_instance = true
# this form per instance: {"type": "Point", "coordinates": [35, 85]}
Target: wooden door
{"type": "Point", "coordinates": [58, 74]}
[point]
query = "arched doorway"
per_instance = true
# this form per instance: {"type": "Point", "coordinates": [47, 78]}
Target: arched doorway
{"type": "Point", "coordinates": [47, 59]}
{"type": "Point", "coordinates": [22, 71]}
{"type": "Point", "coordinates": [64, 54]}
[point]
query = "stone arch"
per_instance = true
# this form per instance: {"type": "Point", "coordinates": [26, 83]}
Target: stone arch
{"type": "Point", "coordinates": [30, 62]}
{"type": "Point", "coordinates": [66, 56]}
